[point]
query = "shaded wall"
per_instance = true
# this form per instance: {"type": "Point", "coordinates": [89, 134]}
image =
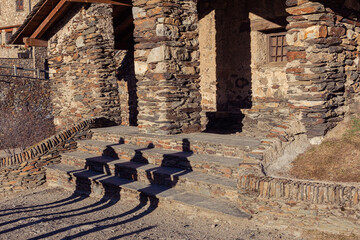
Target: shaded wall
{"type": "Point", "coordinates": [125, 74]}
{"type": "Point", "coordinates": [235, 74]}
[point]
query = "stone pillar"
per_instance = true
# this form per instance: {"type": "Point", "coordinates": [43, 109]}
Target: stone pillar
{"type": "Point", "coordinates": [167, 66]}
{"type": "Point", "coordinates": [315, 69]}
{"type": "Point", "coordinates": [81, 66]}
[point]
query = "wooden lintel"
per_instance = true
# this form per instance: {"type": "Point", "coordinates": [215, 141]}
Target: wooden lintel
{"type": "Point", "coordinates": [32, 42]}
{"type": "Point", "coordinates": [51, 18]}
{"type": "Point", "coordinates": [263, 24]}
{"type": "Point", "coordinates": [120, 3]}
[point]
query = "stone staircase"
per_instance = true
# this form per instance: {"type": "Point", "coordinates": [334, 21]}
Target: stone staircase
{"type": "Point", "coordinates": [199, 170]}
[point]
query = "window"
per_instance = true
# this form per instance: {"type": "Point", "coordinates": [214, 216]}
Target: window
{"type": "Point", "coordinates": [277, 47]}
{"type": "Point", "coordinates": [8, 36]}
{"type": "Point", "coordinates": [19, 5]}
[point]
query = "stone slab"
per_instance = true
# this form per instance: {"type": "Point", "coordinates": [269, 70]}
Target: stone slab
{"type": "Point", "coordinates": [161, 193]}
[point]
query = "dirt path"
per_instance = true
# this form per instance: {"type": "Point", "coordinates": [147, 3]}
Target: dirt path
{"type": "Point", "coordinates": [48, 213]}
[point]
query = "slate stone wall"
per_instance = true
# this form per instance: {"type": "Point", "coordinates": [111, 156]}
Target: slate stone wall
{"type": "Point", "coordinates": [323, 63]}
{"type": "Point", "coordinates": [338, 194]}
{"type": "Point", "coordinates": [167, 66]}
{"type": "Point", "coordinates": [21, 63]}
{"type": "Point", "coordinates": [27, 169]}
{"type": "Point", "coordinates": [82, 68]}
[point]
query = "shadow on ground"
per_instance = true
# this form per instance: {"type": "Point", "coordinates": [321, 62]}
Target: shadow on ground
{"type": "Point", "coordinates": [111, 196]}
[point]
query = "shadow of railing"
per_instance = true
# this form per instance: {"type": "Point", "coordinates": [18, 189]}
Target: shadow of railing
{"type": "Point", "coordinates": [144, 200]}
{"type": "Point", "coordinates": [111, 193]}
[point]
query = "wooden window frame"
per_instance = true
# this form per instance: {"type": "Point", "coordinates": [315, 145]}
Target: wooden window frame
{"type": "Point", "coordinates": [282, 46]}
{"type": "Point", "coordinates": [19, 5]}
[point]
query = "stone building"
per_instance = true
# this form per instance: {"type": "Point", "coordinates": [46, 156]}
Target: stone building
{"type": "Point", "coordinates": [267, 77]}
{"type": "Point", "coordinates": [12, 15]}
{"type": "Point", "coordinates": [171, 66]}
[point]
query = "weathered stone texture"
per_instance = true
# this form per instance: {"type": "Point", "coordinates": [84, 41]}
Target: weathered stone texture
{"type": "Point", "coordinates": [10, 62]}
{"type": "Point", "coordinates": [323, 64]}
{"type": "Point", "coordinates": [26, 169]}
{"type": "Point", "coordinates": [300, 191]}
{"type": "Point", "coordinates": [167, 66]}
{"type": "Point", "coordinates": [82, 68]}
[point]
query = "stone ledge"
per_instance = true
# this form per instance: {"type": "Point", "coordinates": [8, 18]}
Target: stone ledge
{"type": "Point", "coordinates": [314, 192]}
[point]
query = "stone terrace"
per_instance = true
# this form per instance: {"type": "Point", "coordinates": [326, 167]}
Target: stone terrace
{"type": "Point", "coordinates": [197, 170]}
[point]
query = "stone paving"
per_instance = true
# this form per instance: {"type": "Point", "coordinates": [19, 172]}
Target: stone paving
{"type": "Point", "coordinates": [47, 213]}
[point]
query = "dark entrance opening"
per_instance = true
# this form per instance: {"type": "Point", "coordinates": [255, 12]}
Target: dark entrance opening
{"type": "Point", "coordinates": [124, 60]}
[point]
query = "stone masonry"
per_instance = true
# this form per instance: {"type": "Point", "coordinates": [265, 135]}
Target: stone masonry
{"type": "Point", "coordinates": [167, 66]}
{"type": "Point", "coordinates": [323, 62]}
{"type": "Point", "coordinates": [82, 67]}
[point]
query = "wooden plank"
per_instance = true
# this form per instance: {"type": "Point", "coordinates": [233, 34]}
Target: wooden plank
{"type": "Point", "coordinates": [263, 24]}
{"type": "Point", "coordinates": [32, 42]}
{"type": "Point", "coordinates": [119, 3]}
{"type": "Point", "coordinates": [50, 19]}
{"type": "Point", "coordinates": [7, 27]}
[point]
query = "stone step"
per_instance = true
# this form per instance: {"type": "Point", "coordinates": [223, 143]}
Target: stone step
{"type": "Point", "coordinates": [210, 164]}
{"type": "Point", "coordinates": [199, 143]}
{"type": "Point", "coordinates": [200, 183]}
{"type": "Point", "coordinates": [103, 185]}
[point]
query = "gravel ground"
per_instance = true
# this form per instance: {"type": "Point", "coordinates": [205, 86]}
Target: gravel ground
{"type": "Point", "coordinates": [52, 213]}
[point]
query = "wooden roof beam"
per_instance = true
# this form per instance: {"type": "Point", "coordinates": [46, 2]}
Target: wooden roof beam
{"type": "Point", "coordinates": [119, 3]}
{"type": "Point", "coordinates": [32, 42]}
{"type": "Point", "coordinates": [50, 19]}
{"type": "Point", "coordinates": [43, 6]}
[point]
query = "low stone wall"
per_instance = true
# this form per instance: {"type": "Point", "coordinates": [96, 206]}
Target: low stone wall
{"type": "Point", "coordinates": [47, 145]}
{"type": "Point", "coordinates": [30, 174]}
{"type": "Point", "coordinates": [294, 191]}
{"type": "Point", "coordinates": [26, 170]}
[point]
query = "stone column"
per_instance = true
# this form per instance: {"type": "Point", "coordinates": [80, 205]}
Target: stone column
{"type": "Point", "coordinates": [315, 69]}
{"type": "Point", "coordinates": [167, 66]}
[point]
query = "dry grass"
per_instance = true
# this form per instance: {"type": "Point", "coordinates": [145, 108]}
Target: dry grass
{"type": "Point", "coordinates": [336, 159]}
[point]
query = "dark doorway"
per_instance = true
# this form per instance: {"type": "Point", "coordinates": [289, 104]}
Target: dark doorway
{"type": "Point", "coordinates": [124, 60]}
{"type": "Point", "coordinates": [231, 56]}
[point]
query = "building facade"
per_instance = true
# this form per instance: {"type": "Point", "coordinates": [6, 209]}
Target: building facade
{"type": "Point", "coordinates": [186, 66]}
{"type": "Point", "coordinates": [12, 15]}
